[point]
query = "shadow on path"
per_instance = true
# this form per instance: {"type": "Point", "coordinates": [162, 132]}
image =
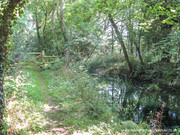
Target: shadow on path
{"type": "Point", "coordinates": [53, 113]}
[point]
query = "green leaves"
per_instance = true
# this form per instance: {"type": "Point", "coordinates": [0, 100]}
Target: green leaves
{"type": "Point", "coordinates": [165, 48]}
{"type": "Point", "coordinates": [168, 10]}
{"type": "Point", "coordinates": [128, 2]}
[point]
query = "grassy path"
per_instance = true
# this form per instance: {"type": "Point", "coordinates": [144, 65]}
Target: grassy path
{"type": "Point", "coordinates": [30, 107]}
{"type": "Point", "coordinates": [52, 111]}
{"type": "Point", "coordinates": [50, 102]}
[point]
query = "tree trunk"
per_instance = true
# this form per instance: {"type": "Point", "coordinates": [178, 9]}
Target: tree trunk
{"type": "Point", "coordinates": [38, 33]}
{"type": "Point", "coordinates": [54, 32]}
{"type": "Point", "coordinates": [120, 39]}
{"type": "Point", "coordinates": [44, 30]}
{"type": "Point", "coordinates": [112, 47]}
{"type": "Point", "coordinates": [5, 22]}
{"type": "Point", "coordinates": [52, 24]}
{"type": "Point", "coordinates": [132, 34]}
{"type": "Point", "coordinates": [139, 47]}
{"type": "Point", "coordinates": [63, 29]}
{"type": "Point", "coordinates": [139, 52]}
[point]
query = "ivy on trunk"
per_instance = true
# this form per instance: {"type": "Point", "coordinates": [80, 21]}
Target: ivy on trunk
{"type": "Point", "coordinates": [5, 22]}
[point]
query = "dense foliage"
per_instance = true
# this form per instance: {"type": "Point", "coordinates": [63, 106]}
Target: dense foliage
{"type": "Point", "coordinates": [134, 39]}
{"type": "Point", "coordinates": [145, 30]}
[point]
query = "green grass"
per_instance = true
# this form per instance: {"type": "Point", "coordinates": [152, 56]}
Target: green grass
{"type": "Point", "coordinates": [75, 91]}
{"type": "Point", "coordinates": [35, 89]}
{"type": "Point", "coordinates": [24, 102]}
{"type": "Point", "coordinates": [82, 107]}
{"type": "Point", "coordinates": [81, 103]}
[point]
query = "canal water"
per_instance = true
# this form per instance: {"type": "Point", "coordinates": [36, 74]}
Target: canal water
{"type": "Point", "coordinates": [139, 101]}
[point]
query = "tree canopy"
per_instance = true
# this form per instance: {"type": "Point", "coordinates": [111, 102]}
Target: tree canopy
{"type": "Point", "coordinates": [143, 35]}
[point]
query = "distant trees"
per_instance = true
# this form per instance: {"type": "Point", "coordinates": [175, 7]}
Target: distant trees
{"type": "Point", "coordinates": [120, 39]}
{"type": "Point", "coordinates": [141, 30]}
{"type": "Point", "coordinates": [60, 15]}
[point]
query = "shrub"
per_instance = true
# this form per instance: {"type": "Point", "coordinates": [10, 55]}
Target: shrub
{"type": "Point", "coordinates": [106, 65]}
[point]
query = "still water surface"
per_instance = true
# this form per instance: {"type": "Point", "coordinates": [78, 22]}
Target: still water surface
{"type": "Point", "coordinates": [138, 101]}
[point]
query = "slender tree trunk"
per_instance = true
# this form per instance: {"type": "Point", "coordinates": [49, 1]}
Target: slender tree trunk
{"type": "Point", "coordinates": [139, 47]}
{"type": "Point", "coordinates": [130, 28]}
{"type": "Point", "coordinates": [132, 34]}
{"type": "Point", "coordinates": [120, 39]}
{"type": "Point", "coordinates": [52, 24]}
{"type": "Point", "coordinates": [112, 48]}
{"type": "Point", "coordinates": [44, 30]}
{"type": "Point", "coordinates": [63, 29]}
{"type": "Point", "coordinates": [38, 33]}
{"type": "Point", "coordinates": [138, 52]}
{"type": "Point", "coordinates": [53, 30]}
{"type": "Point", "coordinates": [5, 22]}
{"type": "Point", "coordinates": [90, 54]}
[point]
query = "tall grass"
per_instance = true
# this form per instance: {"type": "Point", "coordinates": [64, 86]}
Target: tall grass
{"type": "Point", "coordinates": [81, 101]}
{"type": "Point", "coordinates": [76, 91]}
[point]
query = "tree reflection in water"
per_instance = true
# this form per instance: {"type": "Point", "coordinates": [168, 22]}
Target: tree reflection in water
{"type": "Point", "coordinates": [136, 101]}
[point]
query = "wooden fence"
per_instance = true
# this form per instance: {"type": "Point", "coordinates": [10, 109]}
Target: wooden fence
{"type": "Point", "coordinates": [42, 57]}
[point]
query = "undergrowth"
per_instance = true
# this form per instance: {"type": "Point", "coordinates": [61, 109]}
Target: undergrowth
{"type": "Point", "coordinates": [24, 102]}
{"type": "Point", "coordinates": [78, 96]}
{"type": "Point", "coordinates": [82, 102]}
{"type": "Point", "coordinates": [111, 65]}
{"type": "Point", "coordinates": [82, 106]}
{"type": "Point", "coordinates": [165, 73]}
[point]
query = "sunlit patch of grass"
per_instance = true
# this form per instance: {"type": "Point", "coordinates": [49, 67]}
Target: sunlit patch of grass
{"type": "Point", "coordinates": [111, 128]}
{"type": "Point", "coordinates": [24, 102]}
{"type": "Point", "coordinates": [23, 116]}
{"type": "Point", "coordinates": [77, 104]}
{"type": "Point", "coordinates": [34, 90]}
